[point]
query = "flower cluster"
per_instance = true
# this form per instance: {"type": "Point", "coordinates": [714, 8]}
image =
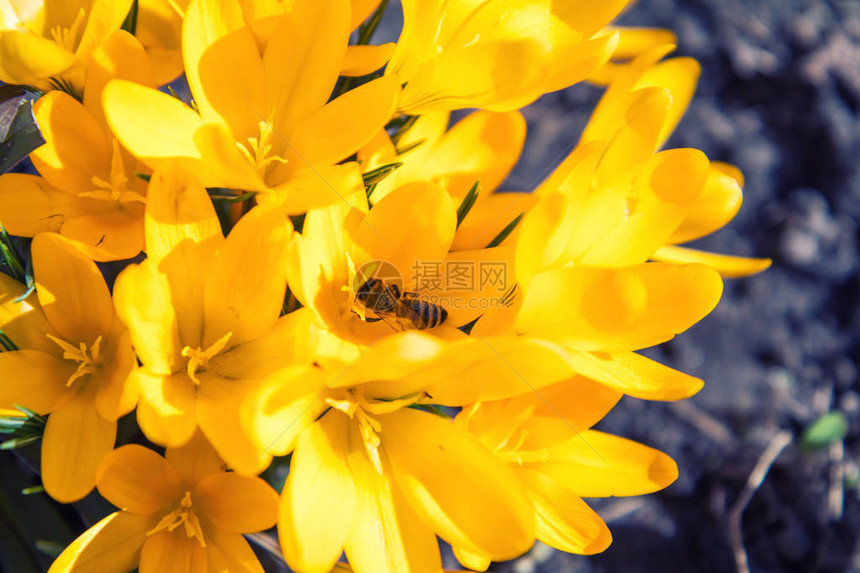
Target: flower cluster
{"type": "Point", "coordinates": [332, 274]}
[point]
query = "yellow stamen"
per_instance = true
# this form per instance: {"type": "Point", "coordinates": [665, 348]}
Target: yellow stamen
{"type": "Point", "coordinates": [66, 38]}
{"type": "Point", "coordinates": [258, 150]}
{"type": "Point", "coordinates": [357, 407]}
{"type": "Point", "coordinates": [87, 358]}
{"type": "Point", "coordinates": [115, 189]}
{"type": "Point", "coordinates": [198, 359]}
{"type": "Point", "coordinates": [183, 515]}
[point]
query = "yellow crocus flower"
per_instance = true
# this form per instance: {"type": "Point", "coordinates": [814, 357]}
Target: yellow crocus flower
{"type": "Point", "coordinates": [545, 439]}
{"type": "Point", "coordinates": [203, 315]}
{"type": "Point", "coordinates": [398, 476]}
{"type": "Point", "coordinates": [639, 111]}
{"type": "Point", "coordinates": [481, 148]}
{"type": "Point", "coordinates": [88, 189]}
{"type": "Point", "coordinates": [73, 360]}
{"type": "Point", "coordinates": [264, 117]}
{"type": "Point", "coordinates": [47, 44]}
{"type": "Point", "coordinates": [178, 514]}
{"type": "Point", "coordinates": [498, 55]}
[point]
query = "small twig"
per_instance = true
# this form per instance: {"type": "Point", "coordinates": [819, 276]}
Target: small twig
{"type": "Point", "coordinates": [777, 444]}
{"type": "Point", "coordinates": [836, 492]}
{"type": "Point", "coordinates": [702, 421]}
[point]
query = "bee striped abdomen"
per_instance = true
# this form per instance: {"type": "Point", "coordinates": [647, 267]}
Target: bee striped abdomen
{"type": "Point", "coordinates": [425, 314]}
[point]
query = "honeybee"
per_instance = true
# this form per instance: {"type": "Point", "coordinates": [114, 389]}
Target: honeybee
{"type": "Point", "coordinates": [389, 304]}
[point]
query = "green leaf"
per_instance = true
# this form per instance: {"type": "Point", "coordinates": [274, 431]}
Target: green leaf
{"type": "Point", "coordinates": [468, 202]}
{"type": "Point", "coordinates": [24, 430]}
{"type": "Point", "coordinates": [371, 178]}
{"type": "Point", "coordinates": [219, 198]}
{"type": "Point", "coordinates": [827, 429]}
{"type": "Point", "coordinates": [9, 257]}
{"type": "Point", "coordinates": [20, 133]}
{"type": "Point", "coordinates": [505, 232]}
{"type": "Point", "coordinates": [366, 30]}
{"type": "Point", "coordinates": [130, 23]}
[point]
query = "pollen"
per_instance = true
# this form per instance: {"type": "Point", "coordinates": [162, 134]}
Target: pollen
{"type": "Point", "coordinates": [185, 516]}
{"type": "Point", "coordinates": [116, 188]}
{"type": "Point", "coordinates": [198, 359]}
{"type": "Point", "coordinates": [259, 150]}
{"type": "Point", "coordinates": [88, 359]}
{"type": "Point", "coordinates": [66, 38]}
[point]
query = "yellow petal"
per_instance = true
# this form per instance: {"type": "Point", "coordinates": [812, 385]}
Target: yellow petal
{"type": "Point", "coordinates": [167, 410]}
{"type": "Point", "coordinates": [75, 441]}
{"type": "Point", "coordinates": [456, 484]}
{"type": "Point", "coordinates": [679, 76]}
{"type": "Point", "coordinates": [632, 128]}
{"type": "Point", "coordinates": [472, 560]}
{"type": "Point", "coordinates": [30, 205]}
{"type": "Point", "coordinates": [172, 552]}
{"type": "Point", "coordinates": [237, 504]}
{"type": "Point", "coordinates": [219, 414]}
{"type": "Point", "coordinates": [483, 147]}
{"type": "Point", "coordinates": [104, 17]}
{"type": "Point", "coordinates": [386, 534]}
{"type": "Point", "coordinates": [232, 75]}
{"type": "Point", "coordinates": [229, 553]}
{"type": "Point", "coordinates": [76, 149]}
{"type": "Point", "coordinates": [496, 368]}
{"type": "Point", "coordinates": [112, 544]}
{"type": "Point", "coordinates": [385, 362]}
{"type": "Point", "coordinates": [23, 321]}
{"type": "Point", "coordinates": [363, 60]}
{"type": "Point", "coordinates": [28, 59]}
{"type": "Point", "coordinates": [361, 10]}
{"type": "Point", "coordinates": [545, 416]}
{"type": "Point", "coordinates": [728, 266]}
{"type": "Point", "coordinates": [314, 188]}
{"type": "Point", "coordinates": [495, 75]}
{"type": "Point", "coordinates": [195, 460]}
{"type": "Point", "coordinates": [159, 29]}
{"type": "Point", "coordinates": [138, 480]}
{"type": "Point", "coordinates": [577, 61]}
{"type": "Point", "coordinates": [629, 230]}
{"type": "Point", "coordinates": [35, 380]}
{"type": "Point", "coordinates": [225, 164]}
{"type": "Point", "coordinates": [206, 21]}
{"type": "Point", "coordinates": [415, 223]}
{"type": "Point", "coordinates": [564, 521]}
{"type": "Point", "coordinates": [286, 403]}
{"type": "Point", "coordinates": [628, 308]}
{"type": "Point", "coordinates": [117, 396]}
{"type": "Point", "coordinates": [718, 203]}
{"type": "Point", "coordinates": [164, 133]}
{"type": "Point", "coordinates": [320, 486]}
{"type": "Point", "coordinates": [595, 464]}
{"type": "Point", "coordinates": [143, 302]}
{"type": "Point", "coordinates": [72, 292]}
{"type": "Point", "coordinates": [489, 216]}
{"type": "Point", "coordinates": [635, 375]}
{"type": "Point", "coordinates": [108, 235]}
{"type": "Point", "coordinates": [182, 236]}
{"type": "Point", "coordinates": [245, 288]}
{"type": "Point", "coordinates": [303, 59]}
{"type": "Point", "coordinates": [342, 126]}
{"type": "Point", "coordinates": [120, 57]}
{"type": "Point", "coordinates": [633, 41]}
